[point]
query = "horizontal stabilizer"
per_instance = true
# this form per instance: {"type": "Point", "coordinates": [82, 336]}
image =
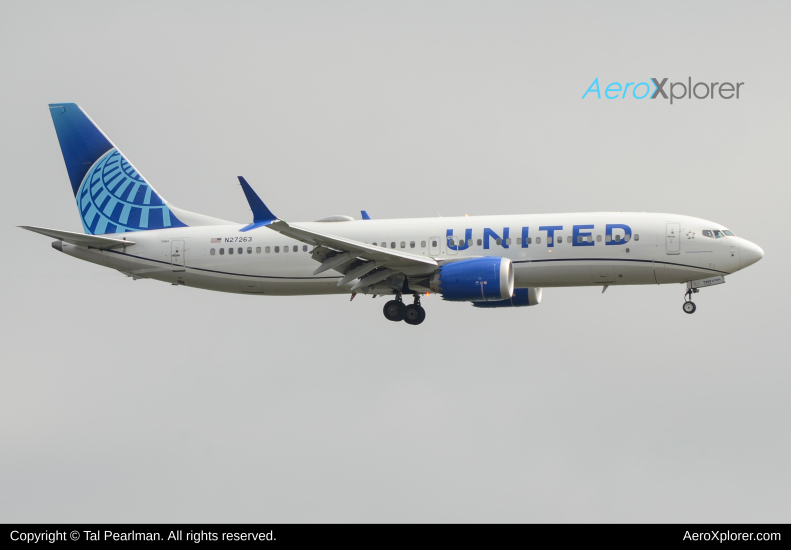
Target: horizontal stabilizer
{"type": "Point", "coordinates": [80, 239]}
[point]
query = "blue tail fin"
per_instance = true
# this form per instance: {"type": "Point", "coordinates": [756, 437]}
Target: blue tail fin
{"type": "Point", "coordinates": [112, 196]}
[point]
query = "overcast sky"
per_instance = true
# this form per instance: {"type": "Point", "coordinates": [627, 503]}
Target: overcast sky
{"type": "Point", "coordinates": [127, 400]}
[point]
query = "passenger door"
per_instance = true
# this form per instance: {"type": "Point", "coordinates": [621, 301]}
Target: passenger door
{"type": "Point", "coordinates": [177, 255]}
{"type": "Point", "coordinates": [673, 238]}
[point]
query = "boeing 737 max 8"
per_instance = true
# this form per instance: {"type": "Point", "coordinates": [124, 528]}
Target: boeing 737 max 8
{"type": "Point", "coordinates": [489, 261]}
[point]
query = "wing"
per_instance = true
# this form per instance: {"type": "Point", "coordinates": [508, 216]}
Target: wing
{"type": "Point", "coordinates": [393, 258]}
{"type": "Point", "coordinates": [80, 239]}
{"type": "Point", "coordinates": [353, 258]}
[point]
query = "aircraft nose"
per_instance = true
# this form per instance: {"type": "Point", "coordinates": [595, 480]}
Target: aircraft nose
{"type": "Point", "coordinates": [750, 253]}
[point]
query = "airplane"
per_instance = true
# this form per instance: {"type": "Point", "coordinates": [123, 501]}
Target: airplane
{"type": "Point", "coordinates": [488, 261]}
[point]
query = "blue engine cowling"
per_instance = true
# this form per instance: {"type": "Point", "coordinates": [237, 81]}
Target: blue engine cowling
{"type": "Point", "coordinates": [522, 297]}
{"type": "Point", "coordinates": [475, 280]}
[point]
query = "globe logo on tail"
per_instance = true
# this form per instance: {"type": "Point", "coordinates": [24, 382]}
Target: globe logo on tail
{"type": "Point", "coordinates": [114, 198]}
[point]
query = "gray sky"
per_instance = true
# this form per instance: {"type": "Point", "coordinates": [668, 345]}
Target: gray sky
{"type": "Point", "coordinates": [139, 401]}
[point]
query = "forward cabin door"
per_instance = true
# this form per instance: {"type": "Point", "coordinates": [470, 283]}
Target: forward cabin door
{"type": "Point", "coordinates": [673, 238]}
{"type": "Point", "coordinates": [177, 255]}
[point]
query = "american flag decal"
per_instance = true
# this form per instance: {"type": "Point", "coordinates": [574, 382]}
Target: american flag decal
{"type": "Point", "coordinates": [216, 241]}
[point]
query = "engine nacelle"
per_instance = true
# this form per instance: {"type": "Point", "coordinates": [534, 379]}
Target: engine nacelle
{"type": "Point", "coordinates": [522, 297]}
{"type": "Point", "coordinates": [475, 280]}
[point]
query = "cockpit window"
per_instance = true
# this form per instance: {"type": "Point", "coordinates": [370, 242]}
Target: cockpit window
{"type": "Point", "coordinates": [707, 233]}
{"type": "Point", "coordinates": [718, 234]}
{"type": "Point", "coordinates": [729, 233]}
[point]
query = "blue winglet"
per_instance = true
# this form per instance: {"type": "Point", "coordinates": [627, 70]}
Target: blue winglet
{"type": "Point", "coordinates": [261, 214]}
{"type": "Point", "coordinates": [365, 215]}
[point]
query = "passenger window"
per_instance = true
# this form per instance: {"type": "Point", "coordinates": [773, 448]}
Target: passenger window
{"type": "Point", "coordinates": [626, 238]}
{"type": "Point", "coordinates": [451, 242]}
{"type": "Point", "coordinates": [530, 240]}
{"type": "Point", "coordinates": [211, 252]}
{"type": "Point", "coordinates": [508, 240]}
{"type": "Point", "coordinates": [538, 240]}
{"type": "Point", "coordinates": [434, 244]}
{"type": "Point", "coordinates": [230, 251]}
{"type": "Point", "coordinates": [608, 238]}
{"type": "Point", "coordinates": [241, 250]}
{"type": "Point", "coordinates": [519, 240]}
{"type": "Point", "coordinates": [277, 249]}
{"type": "Point", "coordinates": [560, 240]}
{"type": "Point", "coordinates": [304, 248]}
{"type": "Point", "coordinates": [636, 237]}
{"type": "Point", "coordinates": [374, 244]}
{"type": "Point", "coordinates": [249, 249]}
{"type": "Point", "coordinates": [384, 244]}
{"type": "Point", "coordinates": [392, 245]}
{"type": "Point", "coordinates": [480, 242]}
{"type": "Point", "coordinates": [549, 240]}
{"type": "Point", "coordinates": [617, 238]}
{"type": "Point", "coordinates": [422, 244]}
{"type": "Point", "coordinates": [579, 238]}
{"type": "Point", "coordinates": [499, 241]}
{"type": "Point", "coordinates": [266, 250]}
{"type": "Point", "coordinates": [403, 244]}
{"type": "Point", "coordinates": [285, 249]}
{"type": "Point", "coordinates": [729, 233]}
{"type": "Point", "coordinates": [590, 238]}
{"type": "Point", "coordinates": [411, 244]}
{"type": "Point", "coordinates": [296, 248]}
{"type": "Point", "coordinates": [718, 234]}
{"type": "Point", "coordinates": [257, 249]}
{"type": "Point", "coordinates": [598, 238]}
{"type": "Point", "coordinates": [222, 251]}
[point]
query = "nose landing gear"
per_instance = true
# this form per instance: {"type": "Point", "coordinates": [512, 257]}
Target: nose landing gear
{"type": "Point", "coordinates": [689, 306]}
{"type": "Point", "coordinates": [413, 314]}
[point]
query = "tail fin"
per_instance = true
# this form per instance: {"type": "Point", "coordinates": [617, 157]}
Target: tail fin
{"type": "Point", "coordinates": [112, 196]}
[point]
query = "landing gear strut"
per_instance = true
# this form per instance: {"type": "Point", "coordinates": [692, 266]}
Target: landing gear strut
{"type": "Point", "coordinates": [413, 314]}
{"type": "Point", "coordinates": [689, 305]}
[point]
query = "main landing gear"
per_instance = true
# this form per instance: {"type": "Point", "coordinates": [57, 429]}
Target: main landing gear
{"type": "Point", "coordinates": [689, 305]}
{"type": "Point", "coordinates": [413, 314]}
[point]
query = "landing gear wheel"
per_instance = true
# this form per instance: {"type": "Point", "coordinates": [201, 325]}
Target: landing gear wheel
{"type": "Point", "coordinates": [394, 310]}
{"type": "Point", "coordinates": [689, 307]}
{"type": "Point", "coordinates": [414, 315]}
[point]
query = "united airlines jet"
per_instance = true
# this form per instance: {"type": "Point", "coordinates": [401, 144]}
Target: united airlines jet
{"type": "Point", "coordinates": [488, 261]}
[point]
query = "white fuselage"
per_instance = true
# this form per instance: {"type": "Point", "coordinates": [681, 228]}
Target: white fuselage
{"type": "Point", "coordinates": [662, 248]}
